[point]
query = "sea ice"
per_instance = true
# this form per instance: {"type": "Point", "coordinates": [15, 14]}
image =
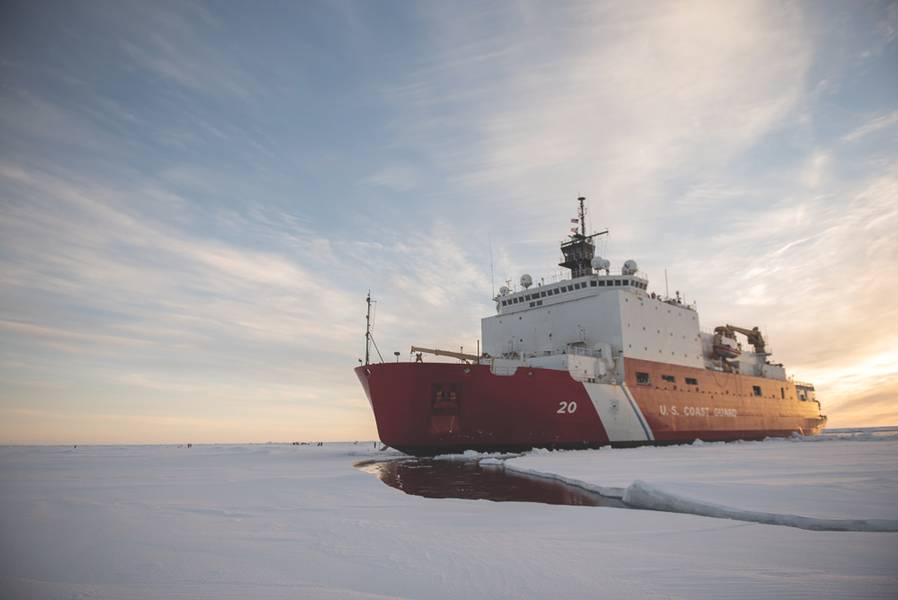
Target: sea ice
{"type": "Point", "coordinates": [281, 521]}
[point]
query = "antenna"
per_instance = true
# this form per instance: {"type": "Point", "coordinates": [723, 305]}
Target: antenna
{"type": "Point", "coordinates": [666, 290]}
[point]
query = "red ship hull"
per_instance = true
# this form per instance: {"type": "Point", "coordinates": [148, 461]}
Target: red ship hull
{"type": "Point", "coordinates": [433, 408]}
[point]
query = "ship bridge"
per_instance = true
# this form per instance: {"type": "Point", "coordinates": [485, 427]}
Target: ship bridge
{"type": "Point", "coordinates": [570, 289]}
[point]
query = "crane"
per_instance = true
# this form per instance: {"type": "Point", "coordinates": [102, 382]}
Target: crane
{"type": "Point", "coordinates": [754, 337]}
{"type": "Point", "coordinates": [459, 355]}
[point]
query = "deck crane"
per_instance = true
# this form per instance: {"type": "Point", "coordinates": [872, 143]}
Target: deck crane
{"type": "Point", "coordinates": [754, 336]}
{"type": "Point", "coordinates": [459, 355]}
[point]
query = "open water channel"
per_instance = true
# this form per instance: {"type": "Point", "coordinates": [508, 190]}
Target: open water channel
{"type": "Point", "coordinates": [471, 481]}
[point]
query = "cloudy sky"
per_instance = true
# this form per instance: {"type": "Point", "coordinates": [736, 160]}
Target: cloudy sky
{"type": "Point", "coordinates": [195, 198]}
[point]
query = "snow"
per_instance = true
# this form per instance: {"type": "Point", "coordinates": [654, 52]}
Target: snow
{"type": "Point", "coordinates": [273, 521]}
{"type": "Point", "coordinates": [825, 478]}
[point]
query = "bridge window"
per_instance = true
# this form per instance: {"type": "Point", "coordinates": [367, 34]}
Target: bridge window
{"type": "Point", "coordinates": [669, 378]}
{"type": "Point", "coordinates": [643, 378]}
{"type": "Point", "coordinates": [756, 389]}
{"type": "Point", "coordinates": [691, 381]}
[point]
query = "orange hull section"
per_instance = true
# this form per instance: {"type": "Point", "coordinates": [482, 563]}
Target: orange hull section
{"type": "Point", "coordinates": [720, 406]}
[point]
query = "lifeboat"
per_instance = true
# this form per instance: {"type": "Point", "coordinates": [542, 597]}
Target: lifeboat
{"type": "Point", "coordinates": [725, 344]}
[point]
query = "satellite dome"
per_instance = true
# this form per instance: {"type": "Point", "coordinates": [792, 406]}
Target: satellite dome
{"type": "Point", "coordinates": [503, 291]}
{"type": "Point", "coordinates": [630, 268]}
{"type": "Point", "coordinates": [526, 280]}
{"type": "Point", "coordinates": [599, 263]}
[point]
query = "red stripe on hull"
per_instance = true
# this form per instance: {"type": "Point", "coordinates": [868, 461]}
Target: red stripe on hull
{"type": "Point", "coordinates": [495, 412]}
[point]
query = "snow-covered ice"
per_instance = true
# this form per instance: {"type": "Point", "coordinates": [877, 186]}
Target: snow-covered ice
{"type": "Point", "coordinates": [271, 521]}
{"type": "Point", "coordinates": [829, 479]}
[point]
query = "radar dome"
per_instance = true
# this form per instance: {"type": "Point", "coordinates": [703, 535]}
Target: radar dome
{"type": "Point", "coordinates": [630, 268]}
{"type": "Point", "coordinates": [526, 280]}
{"type": "Point", "coordinates": [503, 291]}
{"type": "Point", "coordinates": [599, 263]}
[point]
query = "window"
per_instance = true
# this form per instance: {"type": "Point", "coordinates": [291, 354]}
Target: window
{"type": "Point", "coordinates": [592, 283]}
{"type": "Point", "coordinates": [527, 297]}
{"type": "Point", "coordinates": [626, 282]}
{"type": "Point", "coordinates": [642, 378]}
{"type": "Point", "coordinates": [782, 393]}
{"type": "Point", "coordinates": [617, 282]}
{"type": "Point", "coordinates": [504, 303]}
{"type": "Point", "coordinates": [602, 283]}
{"type": "Point", "coordinates": [669, 378]}
{"type": "Point", "coordinates": [756, 389]}
{"type": "Point", "coordinates": [691, 381]}
{"type": "Point", "coordinates": [542, 294]}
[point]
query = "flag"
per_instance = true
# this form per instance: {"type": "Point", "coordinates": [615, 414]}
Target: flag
{"type": "Point", "coordinates": [575, 220]}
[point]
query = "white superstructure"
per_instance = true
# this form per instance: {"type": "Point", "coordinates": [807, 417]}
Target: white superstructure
{"type": "Point", "coordinates": [609, 317]}
{"type": "Point", "coordinates": [608, 314]}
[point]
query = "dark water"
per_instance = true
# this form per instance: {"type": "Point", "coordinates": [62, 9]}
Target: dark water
{"type": "Point", "coordinates": [470, 481]}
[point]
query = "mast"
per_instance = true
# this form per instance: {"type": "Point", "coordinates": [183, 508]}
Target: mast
{"type": "Point", "coordinates": [579, 250]}
{"type": "Point", "coordinates": [582, 199]}
{"type": "Point", "coordinates": [368, 328]}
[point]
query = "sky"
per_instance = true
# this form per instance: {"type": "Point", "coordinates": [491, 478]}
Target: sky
{"type": "Point", "coordinates": [195, 198]}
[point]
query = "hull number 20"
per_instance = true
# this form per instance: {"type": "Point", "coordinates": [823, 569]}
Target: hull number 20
{"type": "Point", "coordinates": [566, 408]}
